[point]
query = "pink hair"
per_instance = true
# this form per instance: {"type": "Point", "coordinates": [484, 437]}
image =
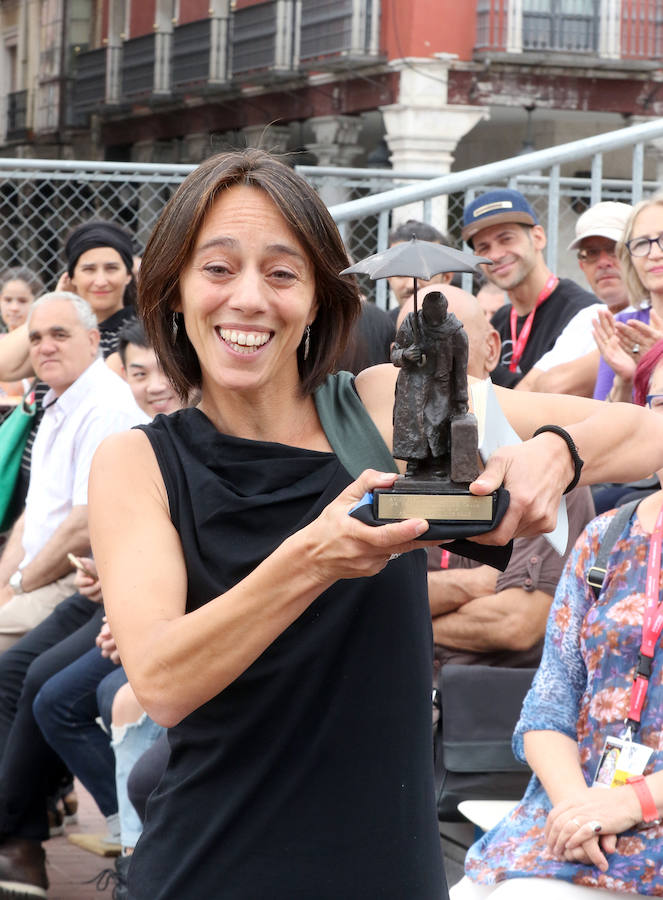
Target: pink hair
{"type": "Point", "coordinates": [644, 372]}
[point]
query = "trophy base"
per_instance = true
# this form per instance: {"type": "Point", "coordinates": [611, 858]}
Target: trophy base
{"type": "Point", "coordinates": [434, 500]}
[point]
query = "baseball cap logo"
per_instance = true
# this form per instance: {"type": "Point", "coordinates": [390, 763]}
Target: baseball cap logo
{"type": "Point", "coordinates": [491, 207]}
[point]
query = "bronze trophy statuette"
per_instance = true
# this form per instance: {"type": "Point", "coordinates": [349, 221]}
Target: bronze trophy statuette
{"type": "Point", "coordinates": [433, 430]}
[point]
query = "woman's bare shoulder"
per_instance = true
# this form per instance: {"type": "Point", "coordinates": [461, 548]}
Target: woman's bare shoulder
{"type": "Point", "coordinates": [125, 461]}
{"type": "Point", "coordinates": [376, 387]}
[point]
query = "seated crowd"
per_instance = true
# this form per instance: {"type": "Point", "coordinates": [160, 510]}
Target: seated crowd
{"type": "Point", "coordinates": [80, 359]}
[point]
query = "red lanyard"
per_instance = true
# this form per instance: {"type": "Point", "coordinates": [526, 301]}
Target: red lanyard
{"type": "Point", "coordinates": [652, 625]}
{"type": "Point", "coordinates": [519, 343]}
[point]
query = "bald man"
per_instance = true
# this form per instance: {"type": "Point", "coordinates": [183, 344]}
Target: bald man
{"type": "Point", "coordinates": [482, 616]}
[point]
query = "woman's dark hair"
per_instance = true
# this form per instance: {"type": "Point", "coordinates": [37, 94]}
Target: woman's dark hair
{"type": "Point", "coordinates": [644, 372]}
{"type": "Point", "coordinates": [173, 240]}
{"type": "Point", "coordinates": [132, 332]}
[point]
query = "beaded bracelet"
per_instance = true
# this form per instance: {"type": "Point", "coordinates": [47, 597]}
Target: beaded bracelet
{"type": "Point", "coordinates": [573, 450]}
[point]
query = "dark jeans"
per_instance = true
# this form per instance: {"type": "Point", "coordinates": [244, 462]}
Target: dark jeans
{"type": "Point", "coordinates": [106, 692]}
{"type": "Point", "coordinates": [65, 709]}
{"type": "Point", "coordinates": [30, 771]}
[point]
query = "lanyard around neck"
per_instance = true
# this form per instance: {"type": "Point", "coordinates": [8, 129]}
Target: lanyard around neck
{"type": "Point", "coordinates": [652, 626]}
{"type": "Point", "coordinates": [518, 343]}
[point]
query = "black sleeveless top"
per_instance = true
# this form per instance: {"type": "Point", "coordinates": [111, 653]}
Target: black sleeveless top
{"type": "Point", "coordinates": [309, 777]}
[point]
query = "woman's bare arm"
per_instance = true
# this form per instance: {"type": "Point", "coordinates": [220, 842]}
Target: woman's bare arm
{"type": "Point", "coordinates": [177, 662]}
{"type": "Point", "coordinates": [15, 355]}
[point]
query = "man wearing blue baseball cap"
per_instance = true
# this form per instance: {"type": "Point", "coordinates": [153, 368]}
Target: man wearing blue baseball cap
{"type": "Point", "coordinates": [502, 226]}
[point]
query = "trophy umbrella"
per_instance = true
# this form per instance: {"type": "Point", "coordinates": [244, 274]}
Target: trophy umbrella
{"type": "Point", "coordinates": [418, 259]}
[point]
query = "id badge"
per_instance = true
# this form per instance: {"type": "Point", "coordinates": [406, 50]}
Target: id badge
{"type": "Point", "coordinates": [621, 758]}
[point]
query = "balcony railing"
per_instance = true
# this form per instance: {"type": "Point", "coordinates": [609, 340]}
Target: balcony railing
{"type": "Point", "coordinates": [138, 66]}
{"type": "Point", "coordinates": [338, 30]}
{"type": "Point", "coordinates": [191, 52]}
{"type": "Point", "coordinates": [264, 39]}
{"type": "Point", "coordinates": [557, 26]}
{"type": "Point", "coordinates": [89, 89]}
{"type": "Point", "coordinates": [17, 115]}
{"type": "Point", "coordinates": [491, 25]}
{"type": "Point", "coordinates": [642, 29]}
{"type": "Point", "coordinates": [567, 26]}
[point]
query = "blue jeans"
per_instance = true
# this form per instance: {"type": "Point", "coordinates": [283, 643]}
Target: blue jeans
{"type": "Point", "coordinates": [65, 709]}
{"type": "Point", "coordinates": [129, 743]}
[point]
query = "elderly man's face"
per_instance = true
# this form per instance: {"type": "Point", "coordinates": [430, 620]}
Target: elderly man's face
{"type": "Point", "coordinates": [599, 263]}
{"type": "Point", "coordinates": [61, 348]}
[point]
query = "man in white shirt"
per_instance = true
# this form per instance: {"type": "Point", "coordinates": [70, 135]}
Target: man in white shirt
{"type": "Point", "coordinates": [86, 402]}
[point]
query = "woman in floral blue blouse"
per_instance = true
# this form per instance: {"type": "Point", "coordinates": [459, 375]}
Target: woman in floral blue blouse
{"type": "Point", "coordinates": [567, 838]}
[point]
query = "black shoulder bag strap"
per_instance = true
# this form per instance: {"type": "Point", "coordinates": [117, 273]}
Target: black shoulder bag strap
{"type": "Point", "coordinates": [596, 574]}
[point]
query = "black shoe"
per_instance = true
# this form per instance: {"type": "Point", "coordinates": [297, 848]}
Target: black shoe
{"type": "Point", "coordinates": [117, 877]}
{"type": "Point", "coordinates": [22, 869]}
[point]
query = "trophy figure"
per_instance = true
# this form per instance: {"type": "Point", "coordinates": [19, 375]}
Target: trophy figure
{"type": "Point", "coordinates": [433, 430]}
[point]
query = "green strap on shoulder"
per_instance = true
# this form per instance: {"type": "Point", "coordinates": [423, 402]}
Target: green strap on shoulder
{"type": "Point", "coordinates": [353, 435]}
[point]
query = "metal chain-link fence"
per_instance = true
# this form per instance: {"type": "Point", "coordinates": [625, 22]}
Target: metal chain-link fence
{"type": "Point", "coordinates": [41, 201]}
{"type": "Point", "coordinates": [41, 204]}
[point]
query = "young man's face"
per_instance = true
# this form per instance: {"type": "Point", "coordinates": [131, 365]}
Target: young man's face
{"type": "Point", "coordinates": [151, 389]}
{"type": "Point", "coordinates": [513, 249]}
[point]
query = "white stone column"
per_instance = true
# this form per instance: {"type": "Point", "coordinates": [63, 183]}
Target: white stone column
{"type": "Point", "coordinates": [423, 129]}
{"type": "Point", "coordinates": [514, 27]}
{"type": "Point", "coordinates": [336, 144]}
{"type": "Point", "coordinates": [610, 29]}
{"type": "Point", "coordinates": [116, 34]}
{"type": "Point", "coordinates": [163, 40]}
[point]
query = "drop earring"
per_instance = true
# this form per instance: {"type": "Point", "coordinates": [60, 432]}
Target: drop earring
{"type": "Point", "coordinates": [307, 341]}
{"type": "Point", "coordinates": [174, 328]}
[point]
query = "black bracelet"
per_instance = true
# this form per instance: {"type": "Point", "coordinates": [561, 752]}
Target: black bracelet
{"type": "Point", "coordinates": [573, 450]}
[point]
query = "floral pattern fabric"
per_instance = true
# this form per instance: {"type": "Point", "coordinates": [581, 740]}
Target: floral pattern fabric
{"type": "Point", "coordinates": [582, 690]}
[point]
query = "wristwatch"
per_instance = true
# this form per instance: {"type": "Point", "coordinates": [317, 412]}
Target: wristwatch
{"type": "Point", "coordinates": [16, 582]}
{"type": "Point", "coordinates": [650, 814]}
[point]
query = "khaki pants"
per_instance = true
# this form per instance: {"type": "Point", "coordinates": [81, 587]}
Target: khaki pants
{"type": "Point", "coordinates": [20, 614]}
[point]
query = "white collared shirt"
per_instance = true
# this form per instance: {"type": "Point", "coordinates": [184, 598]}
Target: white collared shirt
{"type": "Point", "coordinates": [97, 404]}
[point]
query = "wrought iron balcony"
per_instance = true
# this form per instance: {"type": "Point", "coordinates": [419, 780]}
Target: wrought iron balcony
{"type": "Point", "coordinates": [89, 89]}
{"type": "Point", "coordinates": [641, 29]}
{"type": "Point", "coordinates": [138, 66]}
{"type": "Point", "coordinates": [336, 31]}
{"type": "Point", "coordinates": [264, 39]}
{"type": "Point", "coordinates": [17, 116]}
{"type": "Point", "coordinates": [561, 26]}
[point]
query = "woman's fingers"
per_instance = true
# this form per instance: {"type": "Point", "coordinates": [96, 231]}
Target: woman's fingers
{"type": "Point", "coordinates": [344, 547]}
{"type": "Point", "coordinates": [587, 853]}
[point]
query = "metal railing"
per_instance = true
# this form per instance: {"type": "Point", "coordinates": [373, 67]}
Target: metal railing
{"type": "Point", "coordinates": [41, 201]}
{"type": "Point", "coordinates": [557, 200]}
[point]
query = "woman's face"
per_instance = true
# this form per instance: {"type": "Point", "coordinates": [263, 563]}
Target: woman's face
{"type": "Point", "coordinates": [649, 224]}
{"type": "Point", "coordinates": [247, 294]}
{"type": "Point", "coordinates": [100, 277]}
{"type": "Point", "coordinates": [15, 302]}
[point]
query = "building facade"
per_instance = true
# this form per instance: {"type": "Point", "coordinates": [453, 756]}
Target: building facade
{"type": "Point", "coordinates": [425, 85]}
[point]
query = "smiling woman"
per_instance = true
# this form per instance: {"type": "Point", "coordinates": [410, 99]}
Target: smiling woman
{"type": "Point", "coordinates": [279, 639]}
